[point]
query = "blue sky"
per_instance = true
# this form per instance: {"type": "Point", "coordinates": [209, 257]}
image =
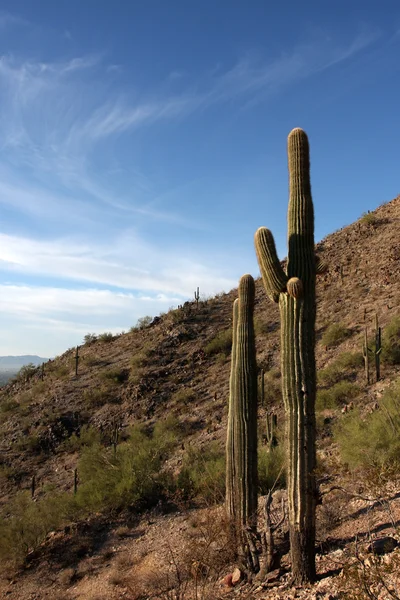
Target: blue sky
{"type": "Point", "coordinates": [142, 144]}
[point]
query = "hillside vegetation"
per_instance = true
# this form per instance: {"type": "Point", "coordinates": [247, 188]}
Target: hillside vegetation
{"type": "Point", "coordinates": [142, 426]}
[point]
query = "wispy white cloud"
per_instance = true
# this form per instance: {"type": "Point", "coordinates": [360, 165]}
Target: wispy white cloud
{"type": "Point", "coordinates": [114, 264]}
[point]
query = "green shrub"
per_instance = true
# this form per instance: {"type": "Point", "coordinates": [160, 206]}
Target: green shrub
{"type": "Point", "coordinates": [373, 442]}
{"type": "Point", "coordinates": [221, 343]}
{"type": "Point", "coordinates": [340, 392]}
{"type": "Point", "coordinates": [131, 476]}
{"type": "Point", "coordinates": [334, 335]}
{"type": "Point", "coordinates": [61, 371]}
{"type": "Point", "coordinates": [87, 436]}
{"type": "Point", "coordinates": [183, 396]}
{"type": "Point", "coordinates": [140, 359]}
{"type": "Point", "coordinates": [391, 342]}
{"type": "Point", "coordinates": [368, 218]}
{"type": "Point", "coordinates": [202, 475]}
{"type": "Point", "coordinates": [115, 376]}
{"type": "Point", "coordinates": [90, 338]}
{"type": "Point", "coordinates": [29, 524]}
{"type": "Point", "coordinates": [105, 337]}
{"type": "Point", "coordinates": [142, 323]}
{"type": "Point", "coordinates": [271, 468]}
{"type": "Point", "coordinates": [96, 397]}
{"type": "Point", "coordinates": [8, 405]}
{"type": "Point", "coordinates": [26, 372]}
{"type": "Point", "coordinates": [345, 365]}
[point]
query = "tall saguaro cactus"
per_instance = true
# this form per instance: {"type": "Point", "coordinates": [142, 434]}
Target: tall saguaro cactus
{"type": "Point", "coordinates": [295, 292]}
{"type": "Point", "coordinates": [241, 447]}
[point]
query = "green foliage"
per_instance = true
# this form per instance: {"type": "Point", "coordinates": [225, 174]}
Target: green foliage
{"type": "Point", "coordinates": [203, 474]}
{"type": "Point", "coordinates": [29, 524]}
{"type": "Point", "coordinates": [183, 396]}
{"type": "Point", "coordinates": [108, 481]}
{"type": "Point", "coordinates": [115, 376]}
{"type": "Point", "coordinates": [334, 335]}
{"type": "Point", "coordinates": [391, 342]}
{"type": "Point", "coordinates": [271, 468]}
{"type": "Point", "coordinates": [60, 371]}
{"type": "Point", "coordinates": [8, 405]}
{"type": "Point", "coordinates": [131, 476]}
{"type": "Point", "coordinates": [368, 218]}
{"type": "Point", "coordinates": [140, 359]}
{"type": "Point", "coordinates": [105, 337]}
{"type": "Point", "coordinates": [338, 393]}
{"type": "Point", "coordinates": [97, 396]}
{"type": "Point", "coordinates": [142, 323]}
{"type": "Point", "coordinates": [90, 338]}
{"type": "Point", "coordinates": [87, 436]}
{"type": "Point", "coordinates": [220, 344]}
{"type": "Point", "coordinates": [345, 365]}
{"type": "Point", "coordinates": [26, 372]}
{"type": "Point", "coordinates": [372, 442]}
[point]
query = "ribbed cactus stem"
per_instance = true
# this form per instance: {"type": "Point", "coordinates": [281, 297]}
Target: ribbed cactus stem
{"type": "Point", "coordinates": [297, 310]}
{"type": "Point", "coordinates": [230, 479]}
{"type": "Point", "coordinates": [241, 498]}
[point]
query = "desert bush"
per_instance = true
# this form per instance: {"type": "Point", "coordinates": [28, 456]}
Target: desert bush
{"type": "Point", "coordinates": [115, 376]}
{"type": "Point", "coordinates": [368, 218]}
{"type": "Point", "coordinates": [90, 338]}
{"type": "Point", "coordinates": [183, 396]}
{"type": "Point", "coordinates": [391, 342]}
{"type": "Point", "coordinates": [271, 468]}
{"type": "Point", "coordinates": [87, 436]}
{"type": "Point", "coordinates": [202, 475]}
{"type": "Point", "coordinates": [142, 323]}
{"type": "Point", "coordinates": [26, 372]}
{"type": "Point", "coordinates": [340, 392]}
{"type": "Point", "coordinates": [29, 523]}
{"type": "Point", "coordinates": [132, 476]}
{"type": "Point", "coordinates": [344, 366]}
{"type": "Point", "coordinates": [140, 359]}
{"type": "Point", "coordinates": [60, 371]}
{"type": "Point", "coordinates": [8, 405]}
{"type": "Point", "coordinates": [105, 337]}
{"type": "Point", "coordinates": [334, 335]}
{"type": "Point", "coordinates": [96, 397]}
{"type": "Point", "coordinates": [221, 343]}
{"type": "Point", "coordinates": [375, 440]}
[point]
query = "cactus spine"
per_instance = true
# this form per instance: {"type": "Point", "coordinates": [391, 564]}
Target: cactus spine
{"type": "Point", "coordinates": [241, 448]}
{"type": "Point", "coordinates": [295, 292]}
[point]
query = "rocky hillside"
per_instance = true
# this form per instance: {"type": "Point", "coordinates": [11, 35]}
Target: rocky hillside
{"type": "Point", "coordinates": [179, 365]}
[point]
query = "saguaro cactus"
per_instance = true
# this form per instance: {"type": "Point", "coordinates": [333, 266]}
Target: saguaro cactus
{"type": "Point", "coordinates": [241, 448]}
{"type": "Point", "coordinates": [295, 292]}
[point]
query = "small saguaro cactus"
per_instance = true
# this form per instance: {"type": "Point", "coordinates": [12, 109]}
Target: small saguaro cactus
{"type": "Point", "coordinates": [76, 360]}
{"type": "Point", "coordinates": [378, 348]}
{"type": "Point", "coordinates": [365, 350]}
{"type": "Point", "coordinates": [295, 292]}
{"type": "Point", "coordinates": [241, 447]}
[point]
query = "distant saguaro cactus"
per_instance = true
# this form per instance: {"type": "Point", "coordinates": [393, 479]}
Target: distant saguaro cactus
{"type": "Point", "coordinates": [295, 292]}
{"type": "Point", "coordinates": [241, 447]}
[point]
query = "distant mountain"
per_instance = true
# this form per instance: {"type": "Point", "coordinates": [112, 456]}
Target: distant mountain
{"type": "Point", "coordinates": [14, 363]}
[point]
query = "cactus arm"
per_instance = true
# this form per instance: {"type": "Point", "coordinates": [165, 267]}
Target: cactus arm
{"type": "Point", "coordinates": [273, 275]}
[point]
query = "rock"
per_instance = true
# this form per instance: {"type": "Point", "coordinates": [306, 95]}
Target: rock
{"type": "Point", "coordinates": [237, 576]}
{"type": "Point", "coordinates": [382, 545]}
{"type": "Point", "coordinates": [227, 580]}
{"type": "Point", "coordinates": [272, 576]}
